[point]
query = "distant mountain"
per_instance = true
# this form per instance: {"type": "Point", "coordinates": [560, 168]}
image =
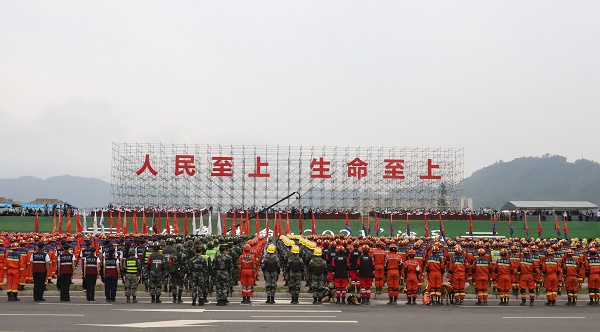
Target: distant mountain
{"type": "Point", "coordinates": [548, 177]}
{"type": "Point", "coordinates": [78, 191]}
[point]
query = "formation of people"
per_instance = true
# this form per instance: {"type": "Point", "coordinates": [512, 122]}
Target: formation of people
{"type": "Point", "coordinates": [332, 267]}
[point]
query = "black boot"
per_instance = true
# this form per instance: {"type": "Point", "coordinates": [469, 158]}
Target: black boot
{"type": "Point", "coordinates": [315, 300]}
{"type": "Point", "coordinates": [523, 302]}
{"type": "Point", "coordinates": [10, 297]}
{"type": "Point", "coordinates": [338, 300]}
{"type": "Point", "coordinates": [134, 300]}
{"type": "Point", "coordinates": [153, 299]}
{"type": "Point", "coordinates": [268, 301]}
{"type": "Point", "coordinates": [158, 299]}
{"type": "Point", "coordinates": [248, 300]}
{"type": "Point", "coordinates": [15, 298]}
{"type": "Point", "coordinates": [193, 302]}
{"type": "Point", "coordinates": [128, 300]}
{"type": "Point", "coordinates": [531, 302]}
{"type": "Point", "coordinates": [179, 300]}
{"type": "Point", "coordinates": [200, 302]}
{"type": "Point", "coordinates": [343, 300]}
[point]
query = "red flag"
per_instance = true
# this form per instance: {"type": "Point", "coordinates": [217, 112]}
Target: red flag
{"type": "Point", "coordinates": [144, 224]}
{"type": "Point", "coordinates": [234, 224]}
{"type": "Point", "coordinates": [185, 224]}
{"type": "Point", "coordinates": [119, 223]}
{"type": "Point", "coordinates": [565, 227]}
{"type": "Point", "coordinates": [376, 224]}
{"type": "Point", "coordinates": [224, 224]}
{"type": "Point", "coordinates": [539, 226]}
{"type": "Point", "coordinates": [267, 224]}
{"type": "Point", "coordinates": [369, 222]}
{"type": "Point", "coordinates": [300, 223]}
{"type": "Point", "coordinates": [287, 223]}
{"type": "Point", "coordinates": [68, 221]}
{"type": "Point", "coordinates": [258, 223]}
{"type": "Point", "coordinates": [124, 226]}
{"type": "Point", "coordinates": [136, 227]}
{"type": "Point", "coordinates": [60, 224]}
{"type": "Point", "coordinates": [175, 223]}
{"type": "Point", "coordinates": [470, 225]}
{"type": "Point", "coordinates": [426, 227]}
{"type": "Point", "coordinates": [247, 223]}
{"type": "Point", "coordinates": [167, 226]}
{"type": "Point", "coordinates": [111, 222]}
{"type": "Point", "coordinates": [36, 226]}
{"type": "Point", "coordinates": [78, 223]}
{"type": "Point", "coordinates": [54, 222]}
{"type": "Point", "coordinates": [313, 229]}
{"type": "Point", "coordinates": [557, 227]}
{"type": "Point", "coordinates": [280, 225]}
{"type": "Point", "coordinates": [158, 223]}
{"type": "Point", "coordinates": [276, 226]}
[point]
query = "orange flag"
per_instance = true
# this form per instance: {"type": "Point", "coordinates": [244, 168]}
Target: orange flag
{"type": "Point", "coordinates": [233, 225]}
{"type": "Point", "coordinates": [175, 223]}
{"type": "Point", "coordinates": [144, 224]}
{"type": "Point", "coordinates": [36, 226]}
{"type": "Point", "coordinates": [287, 223]}
{"type": "Point", "coordinates": [78, 223]}
{"type": "Point", "coordinates": [135, 223]}
{"type": "Point", "coordinates": [54, 222]}
{"type": "Point", "coordinates": [119, 222]}
{"type": "Point", "coordinates": [185, 224]}
{"type": "Point", "coordinates": [68, 221]}
{"type": "Point", "coordinates": [167, 226]}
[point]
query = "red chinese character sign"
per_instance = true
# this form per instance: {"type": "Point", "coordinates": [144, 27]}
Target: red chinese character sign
{"type": "Point", "coordinates": [246, 176]}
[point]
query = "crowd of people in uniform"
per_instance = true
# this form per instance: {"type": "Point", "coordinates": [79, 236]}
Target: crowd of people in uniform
{"type": "Point", "coordinates": [333, 267]}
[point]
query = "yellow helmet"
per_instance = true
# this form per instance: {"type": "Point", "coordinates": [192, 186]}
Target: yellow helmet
{"type": "Point", "coordinates": [295, 250]}
{"type": "Point", "coordinates": [271, 249]}
{"type": "Point", "coordinates": [312, 245]}
{"type": "Point", "coordinates": [318, 252]}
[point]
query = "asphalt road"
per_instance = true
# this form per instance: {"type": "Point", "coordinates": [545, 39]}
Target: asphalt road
{"type": "Point", "coordinates": [79, 315]}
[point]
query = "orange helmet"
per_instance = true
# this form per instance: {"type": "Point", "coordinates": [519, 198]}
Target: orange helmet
{"type": "Point", "coordinates": [246, 247]}
{"type": "Point", "coordinates": [480, 251]}
{"type": "Point", "coordinates": [339, 248]}
{"type": "Point", "coordinates": [570, 252]}
{"type": "Point", "coordinates": [593, 251]}
{"type": "Point", "coordinates": [411, 252]}
{"type": "Point", "coordinates": [393, 247]}
{"type": "Point", "coordinates": [526, 251]}
{"type": "Point", "coordinates": [458, 250]}
{"type": "Point", "coordinates": [503, 252]}
{"type": "Point", "coordinates": [366, 247]}
{"type": "Point", "coordinates": [435, 249]}
{"type": "Point", "coordinates": [550, 252]}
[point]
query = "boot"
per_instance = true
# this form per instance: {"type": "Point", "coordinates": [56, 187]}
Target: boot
{"type": "Point", "coordinates": [248, 300]}
{"type": "Point", "coordinates": [128, 300]}
{"type": "Point", "coordinates": [479, 302]}
{"type": "Point", "coordinates": [569, 303]}
{"type": "Point", "coordinates": [553, 303]}
{"type": "Point", "coordinates": [414, 301]}
{"type": "Point", "coordinates": [485, 302]}
{"type": "Point", "coordinates": [15, 298]}
{"type": "Point", "coordinates": [268, 301]}
{"type": "Point", "coordinates": [193, 302]}
{"type": "Point", "coordinates": [21, 287]}
{"type": "Point", "coordinates": [153, 299]}
{"type": "Point", "coordinates": [523, 302]}
{"type": "Point", "coordinates": [179, 300]}
{"type": "Point", "coordinates": [315, 300]}
{"type": "Point", "coordinates": [158, 299]}
{"type": "Point", "coordinates": [548, 303]}
{"type": "Point", "coordinates": [200, 302]}
{"type": "Point", "coordinates": [134, 300]}
{"type": "Point", "coordinates": [10, 297]}
{"type": "Point", "coordinates": [591, 302]}
{"type": "Point", "coordinates": [319, 300]}
{"type": "Point", "coordinates": [174, 298]}
{"type": "Point", "coordinates": [531, 302]}
{"type": "Point", "coordinates": [343, 300]}
{"type": "Point", "coordinates": [338, 300]}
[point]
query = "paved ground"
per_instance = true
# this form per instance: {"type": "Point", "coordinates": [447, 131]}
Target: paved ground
{"type": "Point", "coordinates": [79, 315]}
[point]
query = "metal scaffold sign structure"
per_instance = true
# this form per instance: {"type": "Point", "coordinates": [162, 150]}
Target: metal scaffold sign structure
{"type": "Point", "coordinates": [145, 174]}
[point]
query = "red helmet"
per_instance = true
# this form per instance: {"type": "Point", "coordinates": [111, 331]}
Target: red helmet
{"type": "Point", "coordinates": [366, 247]}
{"type": "Point", "coordinates": [525, 251]}
{"type": "Point", "coordinates": [570, 252]}
{"type": "Point", "coordinates": [435, 249]}
{"type": "Point", "coordinates": [458, 250]}
{"type": "Point", "coordinates": [503, 252]}
{"type": "Point", "coordinates": [411, 252]}
{"type": "Point", "coordinates": [246, 247]}
{"type": "Point", "coordinates": [393, 247]}
{"type": "Point", "coordinates": [339, 248]}
{"type": "Point", "coordinates": [480, 251]}
{"type": "Point", "coordinates": [550, 252]}
{"type": "Point", "coordinates": [593, 251]}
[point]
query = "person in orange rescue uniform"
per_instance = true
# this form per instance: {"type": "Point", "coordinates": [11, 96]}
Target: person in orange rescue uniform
{"type": "Point", "coordinates": [379, 261]}
{"type": "Point", "coordinates": [14, 268]}
{"type": "Point", "coordinates": [393, 264]}
{"type": "Point", "coordinates": [481, 274]}
{"type": "Point", "coordinates": [551, 272]}
{"type": "Point", "coordinates": [246, 268]}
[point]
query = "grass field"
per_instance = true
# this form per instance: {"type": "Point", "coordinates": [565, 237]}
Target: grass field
{"type": "Point", "coordinates": [452, 228]}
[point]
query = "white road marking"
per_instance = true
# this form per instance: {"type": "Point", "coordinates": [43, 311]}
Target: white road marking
{"type": "Point", "coordinates": [224, 310]}
{"type": "Point", "coordinates": [544, 317]}
{"type": "Point", "coordinates": [56, 315]}
{"type": "Point", "coordinates": [293, 316]}
{"type": "Point", "coordinates": [191, 323]}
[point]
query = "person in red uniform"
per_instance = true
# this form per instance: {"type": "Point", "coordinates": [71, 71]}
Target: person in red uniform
{"type": "Point", "coordinates": [503, 275]}
{"type": "Point", "coordinates": [515, 261]}
{"type": "Point", "coordinates": [412, 271]}
{"type": "Point", "coordinates": [393, 265]}
{"type": "Point", "coordinates": [457, 271]}
{"type": "Point", "coordinates": [527, 282]}
{"type": "Point", "coordinates": [570, 267]}
{"type": "Point", "coordinates": [481, 274]}
{"type": "Point", "coordinates": [593, 274]}
{"type": "Point", "coordinates": [246, 268]}
{"type": "Point", "coordinates": [14, 267]}
{"type": "Point", "coordinates": [2, 262]}
{"type": "Point", "coordinates": [435, 272]}
{"type": "Point", "coordinates": [379, 261]}
{"type": "Point", "coordinates": [550, 272]}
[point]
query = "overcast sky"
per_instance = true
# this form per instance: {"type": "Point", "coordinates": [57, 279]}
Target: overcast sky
{"type": "Point", "coordinates": [501, 79]}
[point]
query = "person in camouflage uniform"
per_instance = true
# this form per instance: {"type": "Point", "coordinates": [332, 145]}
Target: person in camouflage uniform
{"type": "Point", "coordinates": [177, 273]}
{"type": "Point", "coordinates": [235, 253]}
{"type": "Point", "coordinates": [198, 269]}
{"type": "Point", "coordinates": [189, 250]}
{"type": "Point", "coordinates": [156, 268]}
{"type": "Point", "coordinates": [316, 269]}
{"type": "Point", "coordinates": [132, 269]}
{"type": "Point", "coordinates": [208, 274]}
{"type": "Point", "coordinates": [284, 252]}
{"type": "Point", "coordinates": [222, 274]}
{"type": "Point", "coordinates": [271, 269]}
{"type": "Point", "coordinates": [168, 251]}
{"type": "Point", "coordinates": [212, 253]}
{"type": "Point", "coordinates": [295, 267]}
